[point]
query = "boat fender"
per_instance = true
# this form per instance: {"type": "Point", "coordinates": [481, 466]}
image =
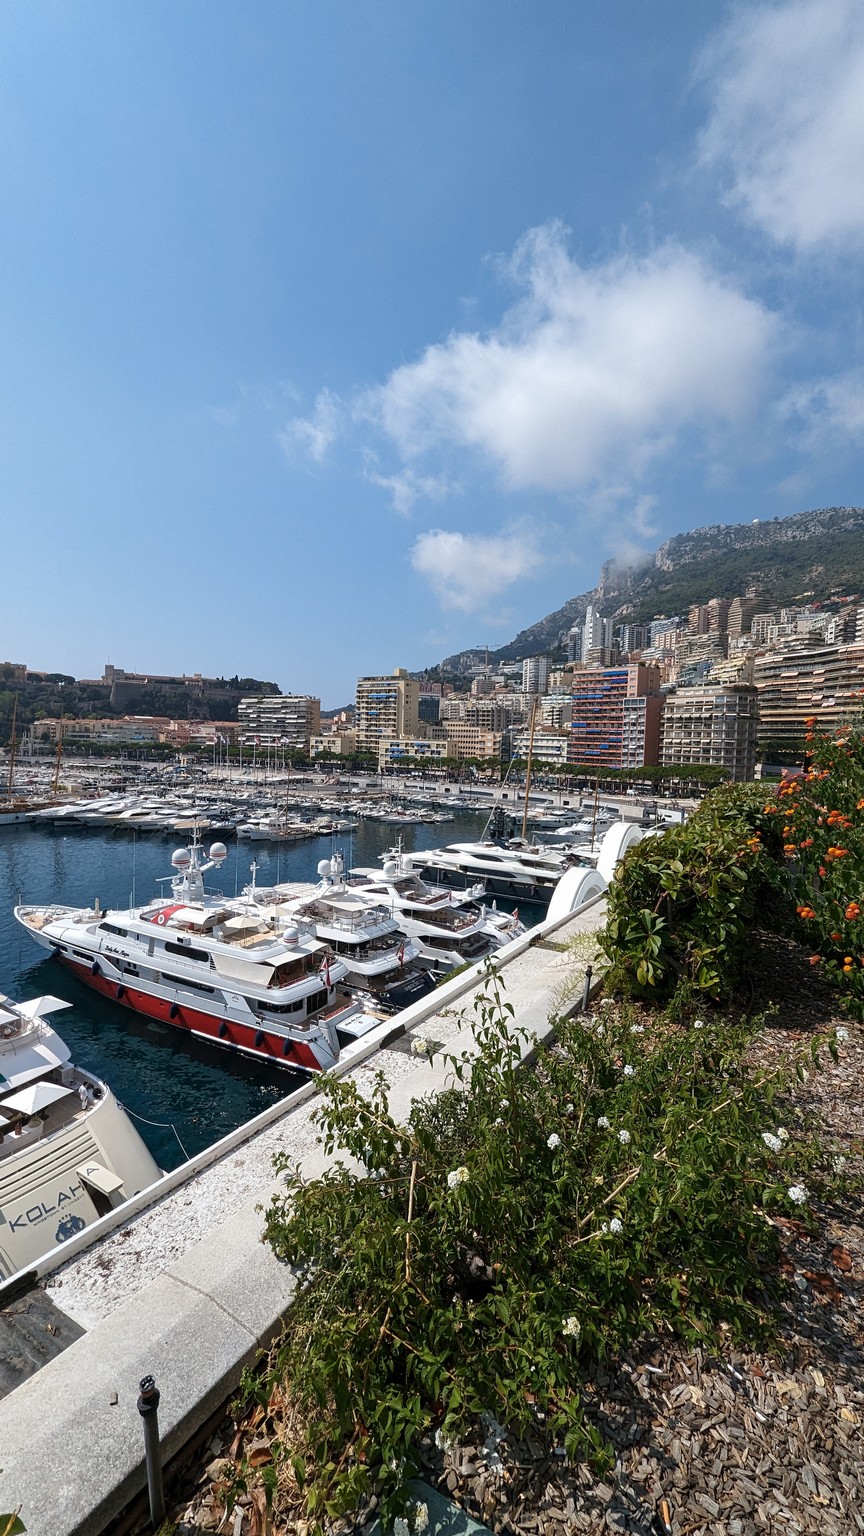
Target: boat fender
{"type": "Point", "coordinates": [121, 992]}
{"type": "Point", "coordinates": [260, 1037]}
{"type": "Point", "coordinates": [95, 969]}
{"type": "Point", "coordinates": [286, 1047]}
{"type": "Point", "coordinates": [173, 1010]}
{"type": "Point", "coordinates": [223, 1030]}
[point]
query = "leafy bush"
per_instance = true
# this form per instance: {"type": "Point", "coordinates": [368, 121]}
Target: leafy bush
{"type": "Point", "coordinates": [821, 821]}
{"type": "Point", "coordinates": [476, 1259]}
{"type": "Point", "coordinates": [683, 905]}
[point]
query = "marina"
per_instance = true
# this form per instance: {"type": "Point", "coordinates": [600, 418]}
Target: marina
{"type": "Point", "coordinates": [183, 1092]}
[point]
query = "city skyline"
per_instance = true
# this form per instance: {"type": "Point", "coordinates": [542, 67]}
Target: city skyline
{"type": "Point", "coordinates": [362, 334]}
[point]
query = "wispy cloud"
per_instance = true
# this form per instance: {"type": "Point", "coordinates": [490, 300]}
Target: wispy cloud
{"type": "Point", "coordinates": [469, 571]}
{"type": "Point", "coordinates": [828, 413]}
{"type": "Point", "coordinates": [406, 487]}
{"type": "Point", "coordinates": [786, 124]}
{"type": "Point", "coordinates": [591, 375]}
{"type": "Point", "coordinates": [314, 434]}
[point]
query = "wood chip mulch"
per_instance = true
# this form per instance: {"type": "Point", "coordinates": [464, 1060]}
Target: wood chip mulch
{"type": "Point", "coordinates": [735, 1446]}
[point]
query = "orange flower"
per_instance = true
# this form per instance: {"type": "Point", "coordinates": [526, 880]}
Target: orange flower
{"type": "Point", "coordinates": [805, 911]}
{"type": "Point", "coordinates": [836, 853]}
{"type": "Point", "coordinates": [789, 847]}
{"type": "Point", "coordinates": [806, 842]}
{"type": "Point", "coordinates": [852, 911]}
{"type": "Point", "coordinates": [860, 805]}
{"type": "Point", "coordinates": [836, 937]}
{"type": "Point", "coordinates": [847, 960]}
{"type": "Point", "coordinates": [815, 959]}
{"type": "Point", "coordinates": [848, 969]}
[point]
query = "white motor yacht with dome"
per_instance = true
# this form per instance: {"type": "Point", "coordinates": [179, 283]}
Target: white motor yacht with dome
{"type": "Point", "coordinates": [378, 956]}
{"type": "Point", "coordinates": [68, 1151]}
{"type": "Point", "coordinates": [450, 928]}
{"type": "Point", "coordinates": [222, 969]}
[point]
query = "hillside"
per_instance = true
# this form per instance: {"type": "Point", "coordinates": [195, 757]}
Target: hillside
{"type": "Point", "coordinates": [814, 556]}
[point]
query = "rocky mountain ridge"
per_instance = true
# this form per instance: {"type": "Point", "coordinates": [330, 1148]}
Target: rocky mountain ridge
{"type": "Point", "coordinates": [812, 556]}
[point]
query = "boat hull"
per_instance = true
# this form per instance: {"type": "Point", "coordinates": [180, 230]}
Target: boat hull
{"type": "Point", "coordinates": [249, 1039]}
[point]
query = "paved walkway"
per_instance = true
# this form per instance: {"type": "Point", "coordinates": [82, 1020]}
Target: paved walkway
{"type": "Point", "coordinates": [176, 1295]}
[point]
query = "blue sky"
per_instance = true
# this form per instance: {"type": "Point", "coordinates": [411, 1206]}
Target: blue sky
{"type": "Point", "coordinates": [341, 334]}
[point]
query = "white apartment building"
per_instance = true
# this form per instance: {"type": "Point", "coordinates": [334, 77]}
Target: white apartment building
{"type": "Point", "coordinates": [535, 674]}
{"type": "Point", "coordinates": [596, 632]}
{"type": "Point", "coordinates": [386, 709]}
{"type": "Point", "coordinates": [709, 725]}
{"type": "Point", "coordinates": [279, 719]}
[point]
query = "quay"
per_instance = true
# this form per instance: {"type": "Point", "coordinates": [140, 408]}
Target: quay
{"type": "Point", "coordinates": [184, 1289]}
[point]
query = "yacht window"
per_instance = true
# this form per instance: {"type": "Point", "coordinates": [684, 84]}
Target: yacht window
{"type": "Point", "coordinates": [296, 1007]}
{"type": "Point", "coordinates": [187, 952]}
{"type": "Point", "coordinates": [315, 1001]}
{"type": "Point", "coordinates": [122, 933]}
{"type": "Point", "coordinates": [183, 981]}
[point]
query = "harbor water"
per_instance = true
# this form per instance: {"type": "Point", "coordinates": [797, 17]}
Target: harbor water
{"type": "Point", "coordinates": [183, 1093]}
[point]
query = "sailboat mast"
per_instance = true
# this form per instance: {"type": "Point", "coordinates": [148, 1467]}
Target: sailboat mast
{"type": "Point", "coordinates": [13, 741]}
{"type": "Point", "coordinates": [528, 769]}
{"type": "Point", "coordinates": [56, 784]}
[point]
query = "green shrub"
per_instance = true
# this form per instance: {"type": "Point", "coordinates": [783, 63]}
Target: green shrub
{"type": "Point", "coordinates": [520, 1225]}
{"type": "Point", "coordinates": [820, 817]}
{"type": "Point", "coordinates": [683, 905]}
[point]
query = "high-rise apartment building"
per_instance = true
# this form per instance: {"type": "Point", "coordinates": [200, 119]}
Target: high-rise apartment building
{"type": "Point", "coordinates": [715, 726]}
{"type": "Point", "coordinates": [598, 737]}
{"type": "Point", "coordinates": [386, 707]}
{"type": "Point", "coordinates": [535, 674]}
{"type": "Point", "coordinates": [803, 679]}
{"type": "Point", "coordinates": [596, 631]}
{"type": "Point", "coordinates": [279, 719]}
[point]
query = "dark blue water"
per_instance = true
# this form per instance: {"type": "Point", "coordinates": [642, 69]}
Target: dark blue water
{"type": "Point", "coordinates": [160, 1074]}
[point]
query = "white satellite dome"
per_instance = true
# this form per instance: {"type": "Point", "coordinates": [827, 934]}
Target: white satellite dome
{"type": "Point", "coordinates": [289, 935]}
{"type": "Point", "coordinates": [181, 858]}
{"type": "Point", "coordinates": [325, 868]}
{"type": "Point", "coordinates": [390, 869]}
{"type": "Point", "coordinates": [218, 852]}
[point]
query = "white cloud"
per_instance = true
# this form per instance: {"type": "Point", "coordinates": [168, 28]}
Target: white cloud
{"type": "Point", "coordinates": [591, 375]}
{"type": "Point", "coordinates": [787, 119]}
{"type": "Point", "coordinates": [829, 412]}
{"type": "Point", "coordinates": [317, 433]}
{"type": "Point", "coordinates": [407, 487]}
{"type": "Point", "coordinates": [469, 571]}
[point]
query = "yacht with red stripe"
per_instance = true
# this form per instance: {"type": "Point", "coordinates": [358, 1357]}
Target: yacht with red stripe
{"type": "Point", "coordinates": [220, 969]}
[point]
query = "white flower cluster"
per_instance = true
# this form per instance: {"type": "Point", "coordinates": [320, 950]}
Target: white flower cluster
{"type": "Point", "coordinates": [842, 1034]}
{"type": "Point", "coordinates": [420, 1046]}
{"type": "Point", "coordinates": [443, 1442]}
{"type": "Point", "coordinates": [456, 1177]}
{"type": "Point", "coordinates": [553, 1142]}
{"type": "Point", "coordinates": [637, 1029]}
{"type": "Point", "coordinates": [798, 1194]}
{"type": "Point", "coordinates": [421, 1516]}
{"type": "Point", "coordinates": [614, 1226]}
{"type": "Point", "coordinates": [603, 1122]}
{"type": "Point", "coordinates": [629, 1071]}
{"type": "Point", "coordinates": [782, 1133]}
{"type": "Point", "coordinates": [838, 1163]}
{"type": "Point", "coordinates": [772, 1142]}
{"type": "Point", "coordinates": [571, 1328]}
{"type": "Point", "coordinates": [624, 1138]}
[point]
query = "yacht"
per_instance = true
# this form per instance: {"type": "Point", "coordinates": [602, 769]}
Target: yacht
{"type": "Point", "coordinates": [363, 935]}
{"type": "Point", "coordinates": [513, 869]}
{"type": "Point", "coordinates": [449, 928]}
{"type": "Point", "coordinates": [68, 1151]}
{"type": "Point", "coordinates": [217, 968]}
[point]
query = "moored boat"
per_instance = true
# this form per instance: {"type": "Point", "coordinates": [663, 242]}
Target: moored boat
{"type": "Point", "coordinates": [68, 1151]}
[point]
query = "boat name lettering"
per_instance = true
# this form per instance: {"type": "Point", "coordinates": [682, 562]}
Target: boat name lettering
{"type": "Point", "coordinates": [114, 949]}
{"type": "Point", "coordinates": [36, 1213]}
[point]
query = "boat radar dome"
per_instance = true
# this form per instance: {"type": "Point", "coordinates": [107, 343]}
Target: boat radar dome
{"type": "Point", "coordinates": [390, 869]}
{"type": "Point", "coordinates": [181, 858]}
{"type": "Point", "coordinates": [289, 935]}
{"type": "Point", "coordinates": [218, 852]}
{"type": "Point", "coordinates": [325, 868]}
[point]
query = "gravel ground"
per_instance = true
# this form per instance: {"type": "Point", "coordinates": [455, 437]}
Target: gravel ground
{"type": "Point", "coordinates": [733, 1446]}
